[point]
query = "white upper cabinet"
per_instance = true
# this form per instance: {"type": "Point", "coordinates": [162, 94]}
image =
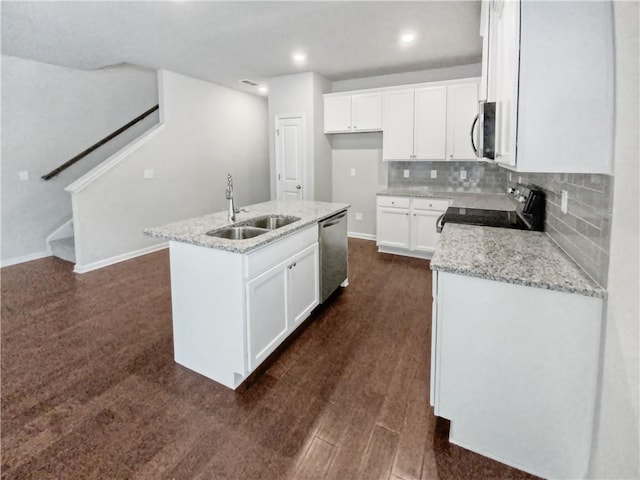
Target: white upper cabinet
{"type": "Point", "coordinates": [462, 108]}
{"type": "Point", "coordinates": [420, 122]}
{"type": "Point", "coordinates": [430, 123]}
{"type": "Point", "coordinates": [337, 114]}
{"type": "Point", "coordinates": [345, 113]}
{"type": "Point", "coordinates": [554, 101]}
{"type": "Point", "coordinates": [366, 112]}
{"type": "Point", "coordinates": [397, 143]}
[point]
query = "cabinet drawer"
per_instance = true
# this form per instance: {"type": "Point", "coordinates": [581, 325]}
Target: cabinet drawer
{"type": "Point", "coordinates": [277, 252]}
{"type": "Point", "coordinates": [398, 202]}
{"type": "Point", "coordinates": [430, 204]}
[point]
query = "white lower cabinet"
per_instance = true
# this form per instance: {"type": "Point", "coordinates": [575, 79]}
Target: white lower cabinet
{"type": "Point", "coordinates": [278, 301]}
{"type": "Point", "coordinates": [266, 314]}
{"type": "Point", "coordinates": [231, 310]}
{"type": "Point", "coordinates": [425, 236]}
{"type": "Point", "coordinates": [407, 226]}
{"type": "Point", "coordinates": [393, 227]}
{"type": "Point", "coordinates": [302, 286]}
{"type": "Point", "coordinates": [515, 370]}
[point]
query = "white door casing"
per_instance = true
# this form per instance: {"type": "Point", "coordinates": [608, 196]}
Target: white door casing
{"type": "Point", "coordinates": [290, 157]}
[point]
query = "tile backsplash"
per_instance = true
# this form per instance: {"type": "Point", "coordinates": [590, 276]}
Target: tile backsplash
{"type": "Point", "coordinates": [584, 231]}
{"type": "Point", "coordinates": [480, 177]}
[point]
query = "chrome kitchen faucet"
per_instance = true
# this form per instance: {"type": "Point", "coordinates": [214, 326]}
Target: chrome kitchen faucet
{"type": "Point", "coordinates": [231, 211]}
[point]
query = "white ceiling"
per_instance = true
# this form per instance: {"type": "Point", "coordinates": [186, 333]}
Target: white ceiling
{"type": "Point", "coordinates": [224, 42]}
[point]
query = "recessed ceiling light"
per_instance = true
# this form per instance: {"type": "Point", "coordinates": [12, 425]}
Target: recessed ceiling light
{"type": "Point", "coordinates": [407, 37]}
{"type": "Point", "coordinates": [299, 57]}
{"type": "Point", "coordinates": [262, 89]}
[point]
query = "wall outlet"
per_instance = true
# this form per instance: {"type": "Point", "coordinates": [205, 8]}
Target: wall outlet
{"type": "Point", "coordinates": [434, 173]}
{"type": "Point", "coordinates": [407, 173]}
{"type": "Point", "coordinates": [359, 216]}
{"type": "Point", "coordinates": [23, 175]}
{"type": "Point", "coordinates": [352, 172]}
{"type": "Point", "coordinates": [519, 179]}
{"type": "Point", "coordinates": [463, 174]}
{"type": "Point", "coordinates": [563, 202]}
{"type": "Point", "coordinates": [148, 174]}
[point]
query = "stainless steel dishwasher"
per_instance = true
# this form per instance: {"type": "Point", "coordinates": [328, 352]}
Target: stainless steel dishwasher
{"type": "Point", "coordinates": [333, 253]}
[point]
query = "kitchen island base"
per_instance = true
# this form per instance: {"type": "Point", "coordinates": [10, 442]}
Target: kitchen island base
{"type": "Point", "coordinates": [232, 310]}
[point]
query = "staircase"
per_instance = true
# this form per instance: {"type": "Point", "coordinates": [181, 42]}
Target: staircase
{"type": "Point", "coordinates": [62, 243]}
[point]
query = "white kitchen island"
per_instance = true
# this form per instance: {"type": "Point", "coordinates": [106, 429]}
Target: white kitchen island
{"type": "Point", "coordinates": [235, 301]}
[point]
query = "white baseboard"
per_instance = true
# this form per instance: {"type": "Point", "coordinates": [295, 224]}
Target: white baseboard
{"type": "Point", "coordinates": [119, 258]}
{"type": "Point", "coordinates": [24, 258]}
{"type": "Point", "coordinates": [362, 236]}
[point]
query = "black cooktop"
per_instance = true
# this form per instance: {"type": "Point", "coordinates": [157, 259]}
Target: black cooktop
{"type": "Point", "coordinates": [486, 218]}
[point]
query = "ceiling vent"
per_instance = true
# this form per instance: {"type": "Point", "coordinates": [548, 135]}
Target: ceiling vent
{"type": "Point", "coordinates": [249, 82]}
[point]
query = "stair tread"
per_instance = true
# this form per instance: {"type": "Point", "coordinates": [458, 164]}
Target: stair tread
{"type": "Point", "coordinates": [71, 241]}
{"type": "Point", "coordinates": [64, 248]}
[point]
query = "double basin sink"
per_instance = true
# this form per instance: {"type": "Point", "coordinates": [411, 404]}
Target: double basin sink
{"type": "Point", "coordinates": [253, 227]}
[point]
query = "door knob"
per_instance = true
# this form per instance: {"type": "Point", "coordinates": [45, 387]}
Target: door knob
{"type": "Point", "coordinates": [298, 187]}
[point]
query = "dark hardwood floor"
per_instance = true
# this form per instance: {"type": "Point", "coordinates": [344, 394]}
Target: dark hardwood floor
{"type": "Point", "coordinates": [90, 389]}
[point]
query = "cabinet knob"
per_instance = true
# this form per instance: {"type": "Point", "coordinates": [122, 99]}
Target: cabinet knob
{"type": "Point", "coordinates": [354, 127]}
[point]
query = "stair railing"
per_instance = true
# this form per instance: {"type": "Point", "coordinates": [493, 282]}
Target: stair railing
{"type": "Point", "coordinates": [81, 155]}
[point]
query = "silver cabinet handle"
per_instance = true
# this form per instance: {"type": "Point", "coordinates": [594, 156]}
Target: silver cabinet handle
{"type": "Point", "coordinates": [298, 187]}
{"type": "Point", "coordinates": [439, 223]}
{"type": "Point", "coordinates": [473, 143]}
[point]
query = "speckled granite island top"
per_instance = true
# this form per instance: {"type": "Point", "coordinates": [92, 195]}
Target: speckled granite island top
{"type": "Point", "coordinates": [486, 201]}
{"type": "Point", "coordinates": [194, 230]}
{"type": "Point", "coordinates": [512, 256]}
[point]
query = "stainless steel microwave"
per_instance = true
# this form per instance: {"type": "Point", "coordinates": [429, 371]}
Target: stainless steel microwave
{"type": "Point", "coordinates": [483, 139]}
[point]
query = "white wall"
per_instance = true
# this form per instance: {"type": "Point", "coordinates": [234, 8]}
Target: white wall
{"type": "Point", "coordinates": [321, 145]}
{"type": "Point", "coordinates": [616, 447]}
{"type": "Point", "coordinates": [208, 131]}
{"type": "Point", "coordinates": [49, 115]}
{"type": "Point", "coordinates": [363, 151]}
{"type": "Point", "coordinates": [302, 94]}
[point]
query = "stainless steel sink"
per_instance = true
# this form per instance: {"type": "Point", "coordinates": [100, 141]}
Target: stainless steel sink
{"type": "Point", "coordinates": [271, 222]}
{"type": "Point", "coordinates": [237, 232]}
{"type": "Point", "coordinates": [253, 227]}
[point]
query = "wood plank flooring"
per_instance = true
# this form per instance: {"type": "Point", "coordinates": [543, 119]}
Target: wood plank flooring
{"type": "Point", "coordinates": [90, 389]}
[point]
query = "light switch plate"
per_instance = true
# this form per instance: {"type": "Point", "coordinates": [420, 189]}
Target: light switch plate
{"type": "Point", "coordinates": [463, 174]}
{"type": "Point", "coordinates": [434, 173]}
{"type": "Point", "coordinates": [564, 201]}
{"type": "Point", "coordinates": [23, 175]}
{"type": "Point", "coordinates": [148, 174]}
{"type": "Point", "coordinates": [353, 172]}
{"type": "Point", "coordinates": [358, 215]}
{"type": "Point", "coordinates": [407, 173]}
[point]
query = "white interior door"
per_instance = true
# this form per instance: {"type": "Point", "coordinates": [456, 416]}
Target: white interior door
{"type": "Point", "coordinates": [290, 151]}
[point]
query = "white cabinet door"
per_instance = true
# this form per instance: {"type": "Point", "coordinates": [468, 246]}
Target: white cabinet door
{"type": "Point", "coordinates": [302, 285]}
{"type": "Point", "coordinates": [397, 123]}
{"type": "Point", "coordinates": [337, 114]}
{"type": "Point", "coordinates": [423, 228]}
{"type": "Point", "coordinates": [266, 313]}
{"type": "Point", "coordinates": [506, 18]}
{"type": "Point", "coordinates": [393, 227]}
{"type": "Point", "coordinates": [430, 123]}
{"type": "Point", "coordinates": [462, 108]}
{"type": "Point", "coordinates": [366, 112]}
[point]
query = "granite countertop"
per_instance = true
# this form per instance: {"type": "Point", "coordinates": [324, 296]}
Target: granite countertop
{"type": "Point", "coordinates": [512, 256]}
{"type": "Point", "coordinates": [194, 230]}
{"type": "Point", "coordinates": [486, 201]}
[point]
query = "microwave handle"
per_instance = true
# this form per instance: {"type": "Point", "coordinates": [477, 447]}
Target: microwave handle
{"type": "Point", "coordinates": [473, 143]}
